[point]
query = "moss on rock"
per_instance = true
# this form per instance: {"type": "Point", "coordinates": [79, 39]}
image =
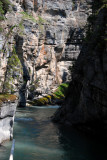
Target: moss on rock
{"type": "Point", "coordinates": [7, 97]}
{"type": "Point", "coordinates": [55, 98]}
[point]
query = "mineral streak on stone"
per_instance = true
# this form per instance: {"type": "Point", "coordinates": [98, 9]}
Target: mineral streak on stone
{"type": "Point", "coordinates": [49, 46]}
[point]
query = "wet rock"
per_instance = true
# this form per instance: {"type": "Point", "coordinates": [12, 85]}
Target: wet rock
{"type": "Point", "coordinates": [7, 114]}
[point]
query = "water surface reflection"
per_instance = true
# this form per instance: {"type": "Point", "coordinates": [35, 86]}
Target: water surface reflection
{"type": "Point", "coordinates": [37, 138]}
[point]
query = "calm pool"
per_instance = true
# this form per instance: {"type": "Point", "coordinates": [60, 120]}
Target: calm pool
{"type": "Point", "coordinates": [37, 138]}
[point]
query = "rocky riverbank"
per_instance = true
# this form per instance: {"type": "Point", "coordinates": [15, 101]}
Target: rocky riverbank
{"type": "Point", "coordinates": [57, 97]}
{"type": "Point", "coordinates": [7, 114]}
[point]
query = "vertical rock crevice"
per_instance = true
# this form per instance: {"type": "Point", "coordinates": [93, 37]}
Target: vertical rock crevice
{"type": "Point", "coordinates": [26, 76]}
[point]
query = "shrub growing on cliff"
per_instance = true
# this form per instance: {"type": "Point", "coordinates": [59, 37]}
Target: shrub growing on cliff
{"type": "Point", "coordinates": [6, 4]}
{"type": "Point", "coordinates": [28, 16]}
{"type": "Point", "coordinates": [61, 90]}
{"type": "Point", "coordinates": [58, 95]}
{"type": "Point", "coordinates": [40, 21]}
{"type": "Point", "coordinates": [4, 7]}
{"type": "Point", "coordinates": [14, 69]}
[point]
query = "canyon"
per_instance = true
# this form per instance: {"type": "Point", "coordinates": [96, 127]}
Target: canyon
{"type": "Point", "coordinates": [46, 43]}
{"type": "Point", "coordinates": [46, 37]}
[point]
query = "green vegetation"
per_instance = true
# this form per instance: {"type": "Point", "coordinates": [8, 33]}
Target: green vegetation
{"type": "Point", "coordinates": [1, 29]}
{"type": "Point", "coordinates": [40, 21]}
{"type": "Point", "coordinates": [57, 96]}
{"type": "Point", "coordinates": [13, 60]}
{"type": "Point", "coordinates": [14, 66]}
{"type": "Point", "coordinates": [7, 97]}
{"type": "Point", "coordinates": [61, 91]}
{"type": "Point", "coordinates": [28, 16]}
{"type": "Point", "coordinates": [1, 11]}
{"type": "Point", "coordinates": [4, 7]}
{"type": "Point", "coordinates": [7, 36]}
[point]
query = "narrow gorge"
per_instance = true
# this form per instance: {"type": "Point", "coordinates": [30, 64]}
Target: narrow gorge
{"type": "Point", "coordinates": [47, 38]}
{"type": "Point", "coordinates": [53, 52]}
{"type": "Point", "coordinates": [86, 101]}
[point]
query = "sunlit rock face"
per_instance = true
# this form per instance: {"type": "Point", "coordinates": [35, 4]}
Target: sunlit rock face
{"type": "Point", "coordinates": [56, 43]}
{"type": "Point", "coordinates": [52, 43]}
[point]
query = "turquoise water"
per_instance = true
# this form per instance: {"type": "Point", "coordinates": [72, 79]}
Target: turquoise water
{"type": "Point", "coordinates": [5, 151]}
{"type": "Point", "coordinates": [37, 138]}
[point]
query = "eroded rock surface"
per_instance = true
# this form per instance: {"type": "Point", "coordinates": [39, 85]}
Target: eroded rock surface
{"type": "Point", "coordinates": [7, 114]}
{"type": "Point", "coordinates": [46, 48]}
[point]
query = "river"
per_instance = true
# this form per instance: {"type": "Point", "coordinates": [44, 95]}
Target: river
{"type": "Point", "coordinates": [37, 138]}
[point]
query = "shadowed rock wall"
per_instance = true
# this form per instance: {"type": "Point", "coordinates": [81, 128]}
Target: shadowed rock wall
{"type": "Point", "coordinates": [87, 95]}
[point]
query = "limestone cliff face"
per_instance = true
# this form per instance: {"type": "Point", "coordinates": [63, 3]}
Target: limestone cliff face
{"type": "Point", "coordinates": [61, 32]}
{"type": "Point", "coordinates": [87, 95]}
{"type": "Point", "coordinates": [7, 114]}
{"type": "Point", "coordinates": [46, 42]}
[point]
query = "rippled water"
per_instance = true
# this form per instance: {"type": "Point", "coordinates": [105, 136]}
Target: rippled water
{"type": "Point", "coordinates": [37, 138]}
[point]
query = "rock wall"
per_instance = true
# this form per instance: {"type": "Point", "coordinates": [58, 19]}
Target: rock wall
{"type": "Point", "coordinates": [47, 36]}
{"type": "Point", "coordinates": [7, 114]}
{"type": "Point", "coordinates": [59, 32]}
{"type": "Point", "coordinates": [87, 95]}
